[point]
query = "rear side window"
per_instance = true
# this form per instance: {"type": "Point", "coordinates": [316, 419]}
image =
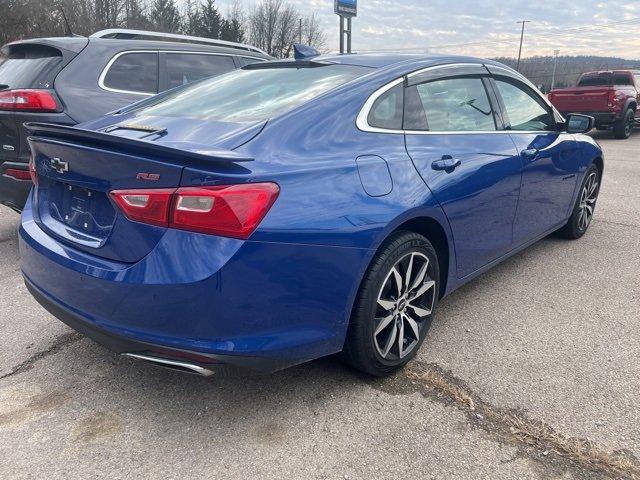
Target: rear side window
{"type": "Point", "coordinates": [637, 77]}
{"type": "Point", "coordinates": [252, 95]}
{"type": "Point", "coordinates": [450, 105]}
{"type": "Point", "coordinates": [135, 72]}
{"type": "Point", "coordinates": [387, 110]}
{"type": "Point", "coordinates": [29, 66]}
{"type": "Point", "coordinates": [244, 61]}
{"type": "Point", "coordinates": [183, 68]}
{"type": "Point", "coordinates": [622, 79]}
{"type": "Point", "coordinates": [524, 109]}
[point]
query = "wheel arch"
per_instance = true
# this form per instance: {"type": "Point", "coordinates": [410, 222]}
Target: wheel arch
{"type": "Point", "coordinates": [436, 234]}
{"type": "Point", "coordinates": [599, 163]}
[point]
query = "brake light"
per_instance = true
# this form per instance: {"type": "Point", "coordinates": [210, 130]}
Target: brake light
{"type": "Point", "coordinates": [229, 210]}
{"type": "Point", "coordinates": [28, 100]}
{"type": "Point", "coordinates": [18, 174]}
{"type": "Point", "coordinates": [32, 171]}
{"type": "Point", "coordinates": [146, 206]}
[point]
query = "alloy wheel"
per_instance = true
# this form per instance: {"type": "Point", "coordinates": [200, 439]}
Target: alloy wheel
{"type": "Point", "coordinates": [588, 199]}
{"type": "Point", "coordinates": [404, 305]}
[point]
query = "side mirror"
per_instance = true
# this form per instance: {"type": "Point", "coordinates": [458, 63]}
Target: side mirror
{"type": "Point", "coordinates": [579, 123]}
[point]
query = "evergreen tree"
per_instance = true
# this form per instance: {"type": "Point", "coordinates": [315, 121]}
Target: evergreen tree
{"type": "Point", "coordinates": [210, 20]}
{"type": "Point", "coordinates": [165, 17]}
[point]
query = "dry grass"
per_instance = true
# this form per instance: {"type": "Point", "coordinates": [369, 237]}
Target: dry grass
{"type": "Point", "coordinates": [532, 433]}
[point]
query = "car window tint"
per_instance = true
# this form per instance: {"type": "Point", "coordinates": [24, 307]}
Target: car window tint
{"type": "Point", "coordinates": [183, 68]}
{"type": "Point", "coordinates": [525, 111]}
{"type": "Point", "coordinates": [386, 112]}
{"type": "Point", "coordinates": [252, 95]}
{"type": "Point", "coordinates": [134, 72]}
{"type": "Point", "coordinates": [455, 105]}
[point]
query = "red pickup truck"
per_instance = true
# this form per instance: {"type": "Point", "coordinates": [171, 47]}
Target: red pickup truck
{"type": "Point", "coordinates": [611, 97]}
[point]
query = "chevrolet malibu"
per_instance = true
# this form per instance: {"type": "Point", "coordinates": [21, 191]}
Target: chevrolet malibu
{"type": "Point", "coordinates": [295, 209]}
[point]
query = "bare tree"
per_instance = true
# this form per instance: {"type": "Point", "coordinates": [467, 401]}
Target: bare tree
{"type": "Point", "coordinates": [312, 33]}
{"type": "Point", "coordinates": [274, 27]}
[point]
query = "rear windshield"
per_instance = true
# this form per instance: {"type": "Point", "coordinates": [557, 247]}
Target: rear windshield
{"type": "Point", "coordinates": [252, 95]}
{"type": "Point", "coordinates": [29, 66]}
{"type": "Point", "coordinates": [605, 79]}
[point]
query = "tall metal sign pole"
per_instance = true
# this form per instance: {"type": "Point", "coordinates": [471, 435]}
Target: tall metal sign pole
{"type": "Point", "coordinates": [346, 9]}
{"type": "Point", "coordinates": [523, 22]}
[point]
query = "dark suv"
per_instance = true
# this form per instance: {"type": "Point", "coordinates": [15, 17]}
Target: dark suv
{"type": "Point", "coordinates": [74, 79]}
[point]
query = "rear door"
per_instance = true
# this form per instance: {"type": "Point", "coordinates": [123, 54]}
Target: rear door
{"type": "Point", "coordinates": [453, 137]}
{"type": "Point", "coordinates": [550, 157]}
{"type": "Point", "coordinates": [180, 68]}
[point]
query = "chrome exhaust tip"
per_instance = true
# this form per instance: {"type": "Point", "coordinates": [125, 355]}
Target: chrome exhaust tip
{"type": "Point", "coordinates": [172, 364]}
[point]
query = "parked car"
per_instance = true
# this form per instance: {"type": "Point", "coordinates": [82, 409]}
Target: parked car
{"type": "Point", "coordinates": [611, 97]}
{"type": "Point", "coordinates": [295, 209]}
{"type": "Point", "coordinates": [74, 79]}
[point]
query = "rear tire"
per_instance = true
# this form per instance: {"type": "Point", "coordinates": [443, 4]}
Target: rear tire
{"type": "Point", "coordinates": [585, 206]}
{"type": "Point", "coordinates": [622, 128]}
{"type": "Point", "coordinates": [395, 305]}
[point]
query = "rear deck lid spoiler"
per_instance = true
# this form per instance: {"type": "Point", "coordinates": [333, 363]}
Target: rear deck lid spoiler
{"type": "Point", "coordinates": [188, 151]}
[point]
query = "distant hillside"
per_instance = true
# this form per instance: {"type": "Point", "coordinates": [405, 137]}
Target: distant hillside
{"type": "Point", "coordinates": [540, 69]}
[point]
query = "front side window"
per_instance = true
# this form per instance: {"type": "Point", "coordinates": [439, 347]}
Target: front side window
{"type": "Point", "coordinates": [134, 72]}
{"type": "Point", "coordinates": [252, 95]}
{"type": "Point", "coordinates": [637, 77]}
{"type": "Point", "coordinates": [525, 111]}
{"type": "Point", "coordinates": [449, 105]}
{"type": "Point", "coordinates": [183, 68]}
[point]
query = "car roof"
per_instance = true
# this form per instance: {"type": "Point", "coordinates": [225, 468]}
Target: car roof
{"type": "Point", "coordinates": [76, 44]}
{"type": "Point", "coordinates": [384, 60]}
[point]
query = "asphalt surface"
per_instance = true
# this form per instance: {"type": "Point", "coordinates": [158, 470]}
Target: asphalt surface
{"type": "Point", "coordinates": [551, 335]}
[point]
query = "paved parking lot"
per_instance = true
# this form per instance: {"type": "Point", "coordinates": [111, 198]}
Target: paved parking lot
{"type": "Point", "coordinates": [531, 371]}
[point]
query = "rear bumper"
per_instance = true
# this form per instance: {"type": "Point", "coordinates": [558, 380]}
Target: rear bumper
{"type": "Point", "coordinates": [219, 365]}
{"type": "Point", "coordinates": [257, 305]}
{"type": "Point", "coordinates": [13, 192]}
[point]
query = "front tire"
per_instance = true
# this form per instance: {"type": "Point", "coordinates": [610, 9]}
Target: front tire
{"type": "Point", "coordinates": [585, 206]}
{"type": "Point", "coordinates": [395, 305]}
{"type": "Point", "coordinates": [623, 128]}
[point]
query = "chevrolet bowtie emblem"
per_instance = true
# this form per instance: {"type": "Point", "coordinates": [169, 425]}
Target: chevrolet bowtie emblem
{"type": "Point", "coordinates": [59, 166]}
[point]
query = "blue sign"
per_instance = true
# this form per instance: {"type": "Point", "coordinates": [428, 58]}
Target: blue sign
{"type": "Point", "coordinates": [346, 8]}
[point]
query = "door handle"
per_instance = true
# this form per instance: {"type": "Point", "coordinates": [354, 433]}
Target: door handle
{"type": "Point", "coordinates": [447, 162]}
{"type": "Point", "coordinates": [529, 152]}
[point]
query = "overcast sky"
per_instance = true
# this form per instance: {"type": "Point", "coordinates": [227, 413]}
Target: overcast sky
{"type": "Point", "coordinates": [486, 28]}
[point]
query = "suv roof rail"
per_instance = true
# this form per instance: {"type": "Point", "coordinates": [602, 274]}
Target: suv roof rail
{"type": "Point", "coordinates": [126, 34]}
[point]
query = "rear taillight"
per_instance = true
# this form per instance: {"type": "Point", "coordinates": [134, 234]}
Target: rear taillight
{"type": "Point", "coordinates": [28, 101]}
{"type": "Point", "coordinates": [32, 171]}
{"type": "Point", "coordinates": [229, 211]}
{"type": "Point", "coordinates": [146, 206]}
{"type": "Point", "coordinates": [18, 174]}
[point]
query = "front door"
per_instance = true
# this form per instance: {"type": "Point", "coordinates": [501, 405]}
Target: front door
{"type": "Point", "coordinates": [472, 169]}
{"type": "Point", "coordinates": [549, 156]}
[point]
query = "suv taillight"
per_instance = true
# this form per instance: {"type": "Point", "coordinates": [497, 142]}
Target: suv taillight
{"type": "Point", "coordinates": [228, 210]}
{"type": "Point", "coordinates": [28, 101]}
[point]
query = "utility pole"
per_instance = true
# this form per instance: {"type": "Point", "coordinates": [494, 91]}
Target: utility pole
{"type": "Point", "coordinates": [300, 33]}
{"type": "Point", "coordinates": [523, 22]}
{"type": "Point", "coordinates": [555, 64]}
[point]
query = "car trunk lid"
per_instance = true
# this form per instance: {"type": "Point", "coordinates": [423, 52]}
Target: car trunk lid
{"type": "Point", "coordinates": [77, 169]}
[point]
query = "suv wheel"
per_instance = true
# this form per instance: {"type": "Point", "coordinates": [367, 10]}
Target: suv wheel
{"type": "Point", "coordinates": [623, 128]}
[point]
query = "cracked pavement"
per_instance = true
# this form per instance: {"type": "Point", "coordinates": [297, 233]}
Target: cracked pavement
{"type": "Point", "coordinates": [550, 335]}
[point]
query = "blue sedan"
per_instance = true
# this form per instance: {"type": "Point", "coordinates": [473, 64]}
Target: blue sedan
{"type": "Point", "coordinates": [296, 209]}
